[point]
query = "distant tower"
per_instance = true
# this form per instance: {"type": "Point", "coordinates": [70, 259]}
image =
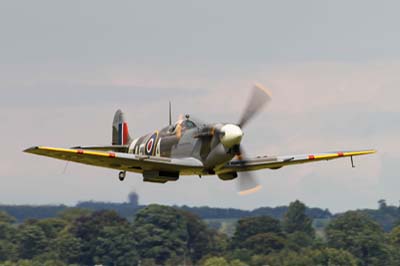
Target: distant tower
{"type": "Point", "coordinates": [133, 198]}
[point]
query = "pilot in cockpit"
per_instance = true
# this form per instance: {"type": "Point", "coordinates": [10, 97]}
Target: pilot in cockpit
{"type": "Point", "coordinates": [183, 124]}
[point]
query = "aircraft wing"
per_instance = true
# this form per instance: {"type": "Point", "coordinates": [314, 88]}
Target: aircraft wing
{"type": "Point", "coordinates": [120, 161]}
{"type": "Point", "coordinates": [276, 162]}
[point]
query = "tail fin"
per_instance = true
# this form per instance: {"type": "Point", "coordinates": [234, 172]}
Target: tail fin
{"type": "Point", "coordinates": [120, 134]}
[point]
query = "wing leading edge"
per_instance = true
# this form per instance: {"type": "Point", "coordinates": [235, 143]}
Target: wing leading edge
{"type": "Point", "coordinates": [276, 162]}
{"type": "Point", "coordinates": [120, 161]}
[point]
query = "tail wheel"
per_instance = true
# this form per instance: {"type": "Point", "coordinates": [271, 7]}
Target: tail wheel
{"type": "Point", "coordinates": [121, 175]}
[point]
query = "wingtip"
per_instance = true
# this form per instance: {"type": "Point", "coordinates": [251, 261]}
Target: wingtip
{"type": "Point", "coordinates": [360, 152]}
{"type": "Point", "coordinates": [31, 149]}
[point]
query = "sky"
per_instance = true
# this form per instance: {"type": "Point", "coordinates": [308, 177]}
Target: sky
{"type": "Point", "coordinates": [332, 67]}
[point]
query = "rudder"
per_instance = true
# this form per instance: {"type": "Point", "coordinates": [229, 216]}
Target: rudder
{"type": "Point", "coordinates": [120, 132]}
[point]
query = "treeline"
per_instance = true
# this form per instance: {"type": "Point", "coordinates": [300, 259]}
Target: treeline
{"type": "Point", "coordinates": [129, 209]}
{"type": "Point", "coordinates": [385, 215]}
{"type": "Point", "coordinates": [230, 213]}
{"type": "Point", "coordinates": [25, 212]}
{"type": "Point", "coordinates": [162, 235]}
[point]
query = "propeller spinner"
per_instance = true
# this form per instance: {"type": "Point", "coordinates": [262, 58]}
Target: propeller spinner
{"type": "Point", "coordinates": [230, 135]}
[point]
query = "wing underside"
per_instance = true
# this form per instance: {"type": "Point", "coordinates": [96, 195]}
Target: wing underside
{"type": "Point", "coordinates": [121, 161]}
{"type": "Point", "coordinates": [276, 162]}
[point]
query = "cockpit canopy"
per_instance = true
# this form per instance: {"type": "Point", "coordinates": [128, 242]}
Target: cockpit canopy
{"type": "Point", "coordinates": [184, 124]}
{"type": "Point", "coordinates": [187, 124]}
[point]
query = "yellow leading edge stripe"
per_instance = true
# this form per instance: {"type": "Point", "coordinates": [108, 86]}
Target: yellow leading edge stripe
{"type": "Point", "coordinates": [344, 154]}
{"type": "Point", "coordinates": [74, 151]}
{"type": "Point", "coordinates": [359, 152]}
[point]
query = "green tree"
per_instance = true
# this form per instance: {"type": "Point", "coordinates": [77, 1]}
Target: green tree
{"type": "Point", "coordinates": [299, 240]}
{"type": "Point", "coordinates": [394, 237]}
{"type": "Point", "coordinates": [332, 257]}
{"type": "Point", "coordinates": [307, 257]}
{"type": "Point", "coordinates": [394, 240]}
{"type": "Point", "coordinates": [177, 260]}
{"type": "Point", "coordinates": [52, 226]}
{"type": "Point", "coordinates": [6, 218]}
{"type": "Point", "coordinates": [8, 232]}
{"type": "Point", "coordinates": [49, 257]}
{"type": "Point", "coordinates": [284, 258]}
{"type": "Point", "coordinates": [237, 262]}
{"type": "Point", "coordinates": [360, 235]}
{"type": "Point", "coordinates": [88, 228]}
{"type": "Point", "coordinates": [148, 262]}
{"type": "Point", "coordinates": [248, 227]}
{"type": "Point", "coordinates": [397, 223]}
{"type": "Point", "coordinates": [242, 254]}
{"type": "Point", "coordinates": [71, 214]}
{"type": "Point", "coordinates": [8, 250]}
{"type": "Point", "coordinates": [264, 243]}
{"type": "Point", "coordinates": [218, 244]}
{"type": "Point", "coordinates": [215, 261]}
{"type": "Point", "coordinates": [8, 242]}
{"type": "Point", "coordinates": [161, 233]}
{"type": "Point", "coordinates": [68, 247]}
{"type": "Point", "coordinates": [52, 262]}
{"type": "Point", "coordinates": [296, 219]}
{"type": "Point", "coordinates": [116, 245]}
{"type": "Point", "coordinates": [198, 236]}
{"type": "Point", "coordinates": [32, 241]}
{"type": "Point", "coordinates": [21, 263]}
{"type": "Point", "coordinates": [202, 240]}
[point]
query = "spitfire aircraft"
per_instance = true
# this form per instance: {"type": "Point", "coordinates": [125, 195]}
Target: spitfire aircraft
{"type": "Point", "coordinates": [188, 147]}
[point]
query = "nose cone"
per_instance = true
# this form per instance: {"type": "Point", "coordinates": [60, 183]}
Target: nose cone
{"type": "Point", "coordinates": [232, 135]}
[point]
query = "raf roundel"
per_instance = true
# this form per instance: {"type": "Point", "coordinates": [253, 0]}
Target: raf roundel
{"type": "Point", "coordinates": [150, 144]}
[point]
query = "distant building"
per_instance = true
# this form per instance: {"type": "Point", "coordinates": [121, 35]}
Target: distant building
{"type": "Point", "coordinates": [133, 199]}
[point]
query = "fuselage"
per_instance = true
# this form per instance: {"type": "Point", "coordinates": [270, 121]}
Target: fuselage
{"type": "Point", "coordinates": [212, 144]}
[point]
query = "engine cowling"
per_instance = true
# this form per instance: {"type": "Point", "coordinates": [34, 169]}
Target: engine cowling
{"type": "Point", "coordinates": [217, 156]}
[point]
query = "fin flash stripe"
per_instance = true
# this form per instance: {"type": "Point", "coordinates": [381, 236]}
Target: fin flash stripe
{"type": "Point", "coordinates": [122, 133]}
